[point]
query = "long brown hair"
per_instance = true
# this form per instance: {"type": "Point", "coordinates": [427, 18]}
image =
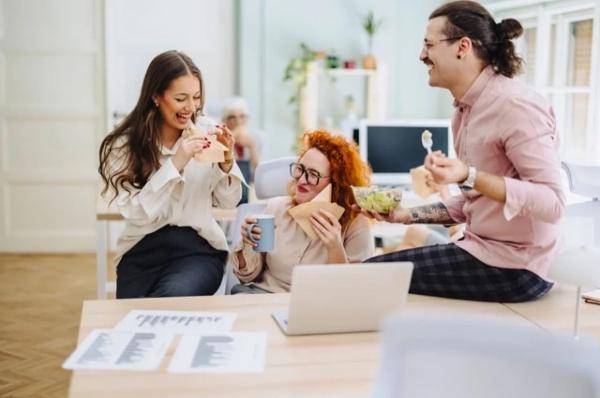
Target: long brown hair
{"type": "Point", "coordinates": [133, 147]}
{"type": "Point", "coordinates": [346, 169]}
{"type": "Point", "coordinates": [492, 42]}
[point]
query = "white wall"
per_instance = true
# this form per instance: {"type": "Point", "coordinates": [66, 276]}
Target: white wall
{"type": "Point", "coordinates": [51, 116]}
{"type": "Point", "coordinates": [52, 100]}
{"type": "Point", "coordinates": [270, 33]}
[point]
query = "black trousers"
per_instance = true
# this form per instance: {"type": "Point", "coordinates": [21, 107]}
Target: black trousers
{"type": "Point", "coordinates": [170, 262]}
{"type": "Point", "coordinates": [449, 271]}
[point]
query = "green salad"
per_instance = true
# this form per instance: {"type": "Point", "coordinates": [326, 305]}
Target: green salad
{"type": "Point", "coordinates": [378, 199]}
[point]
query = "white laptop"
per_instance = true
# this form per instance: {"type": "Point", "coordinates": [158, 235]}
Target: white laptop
{"type": "Point", "coordinates": [339, 298]}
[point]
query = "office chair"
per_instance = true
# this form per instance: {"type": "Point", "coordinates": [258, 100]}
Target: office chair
{"type": "Point", "coordinates": [457, 356]}
{"type": "Point", "coordinates": [585, 181]}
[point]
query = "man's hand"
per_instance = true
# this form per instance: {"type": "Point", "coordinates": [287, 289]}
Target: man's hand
{"type": "Point", "coordinates": [445, 170]}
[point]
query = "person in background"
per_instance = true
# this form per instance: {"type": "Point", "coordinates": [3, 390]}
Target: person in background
{"type": "Point", "coordinates": [172, 245]}
{"type": "Point", "coordinates": [326, 159]}
{"type": "Point", "coordinates": [235, 116]}
{"type": "Point", "coordinates": [507, 167]}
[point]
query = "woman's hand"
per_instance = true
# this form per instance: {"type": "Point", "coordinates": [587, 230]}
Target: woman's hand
{"type": "Point", "coordinates": [248, 222]}
{"type": "Point", "coordinates": [189, 147]}
{"type": "Point", "coordinates": [328, 229]}
{"type": "Point", "coordinates": [225, 137]}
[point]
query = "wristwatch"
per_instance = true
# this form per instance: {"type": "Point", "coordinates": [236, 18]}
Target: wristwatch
{"type": "Point", "coordinates": [469, 183]}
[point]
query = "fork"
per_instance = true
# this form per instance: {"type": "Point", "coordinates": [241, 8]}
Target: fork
{"type": "Point", "coordinates": [427, 140]}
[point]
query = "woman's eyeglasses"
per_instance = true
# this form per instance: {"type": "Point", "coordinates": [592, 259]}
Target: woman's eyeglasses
{"type": "Point", "coordinates": [313, 177]}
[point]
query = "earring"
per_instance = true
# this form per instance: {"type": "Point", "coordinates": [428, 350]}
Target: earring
{"type": "Point", "coordinates": [458, 56]}
{"type": "Point", "coordinates": [156, 104]}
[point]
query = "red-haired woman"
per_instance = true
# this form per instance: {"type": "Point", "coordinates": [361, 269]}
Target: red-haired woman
{"type": "Point", "coordinates": [326, 159]}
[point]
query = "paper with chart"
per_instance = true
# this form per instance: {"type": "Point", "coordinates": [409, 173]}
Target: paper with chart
{"type": "Point", "coordinates": [177, 322]}
{"type": "Point", "coordinates": [235, 352]}
{"type": "Point", "coordinates": [113, 349]}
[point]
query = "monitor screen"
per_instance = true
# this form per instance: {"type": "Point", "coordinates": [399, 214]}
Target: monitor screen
{"type": "Point", "coordinates": [392, 148]}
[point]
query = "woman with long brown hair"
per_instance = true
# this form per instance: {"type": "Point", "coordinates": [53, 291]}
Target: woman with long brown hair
{"type": "Point", "coordinates": [326, 160]}
{"type": "Point", "coordinates": [172, 245]}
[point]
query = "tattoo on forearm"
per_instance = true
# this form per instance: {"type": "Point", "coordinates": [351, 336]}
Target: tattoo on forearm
{"type": "Point", "coordinates": [435, 213]}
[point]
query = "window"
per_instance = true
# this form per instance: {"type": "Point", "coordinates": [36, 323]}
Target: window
{"type": "Point", "coordinates": [560, 46]}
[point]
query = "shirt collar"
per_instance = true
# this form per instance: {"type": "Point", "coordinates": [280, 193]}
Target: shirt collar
{"type": "Point", "coordinates": [476, 88]}
{"type": "Point", "coordinates": [166, 151]}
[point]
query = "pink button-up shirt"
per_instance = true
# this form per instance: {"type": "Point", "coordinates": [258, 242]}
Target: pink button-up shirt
{"type": "Point", "coordinates": [503, 127]}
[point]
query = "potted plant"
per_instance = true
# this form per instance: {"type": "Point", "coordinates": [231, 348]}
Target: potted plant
{"type": "Point", "coordinates": [296, 71]}
{"type": "Point", "coordinates": [371, 26]}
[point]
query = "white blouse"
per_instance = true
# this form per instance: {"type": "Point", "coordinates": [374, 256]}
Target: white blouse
{"type": "Point", "coordinates": [169, 198]}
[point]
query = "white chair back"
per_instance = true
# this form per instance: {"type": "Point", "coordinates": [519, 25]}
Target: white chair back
{"type": "Point", "coordinates": [271, 177]}
{"type": "Point", "coordinates": [457, 356]}
{"type": "Point", "coordinates": [577, 231]}
{"type": "Point", "coordinates": [579, 266]}
{"type": "Point", "coordinates": [583, 180]}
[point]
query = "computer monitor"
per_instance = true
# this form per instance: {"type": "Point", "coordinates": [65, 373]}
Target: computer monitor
{"type": "Point", "coordinates": [393, 147]}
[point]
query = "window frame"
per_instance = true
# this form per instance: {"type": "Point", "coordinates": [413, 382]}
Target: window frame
{"type": "Point", "coordinates": [542, 14]}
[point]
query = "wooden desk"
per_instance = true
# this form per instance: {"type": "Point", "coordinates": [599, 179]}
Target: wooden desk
{"type": "Point", "coordinates": [337, 365]}
{"type": "Point", "coordinates": [106, 213]}
{"type": "Point", "coordinates": [556, 311]}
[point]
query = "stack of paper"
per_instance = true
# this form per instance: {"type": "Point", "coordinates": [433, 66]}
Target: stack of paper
{"type": "Point", "coordinates": [141, 339]}
{"type": "Point", "coordinates": [592, 297]}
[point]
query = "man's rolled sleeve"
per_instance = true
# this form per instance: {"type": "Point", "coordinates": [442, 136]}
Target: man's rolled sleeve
{"type": "Point", "coordinates": [537, 191]}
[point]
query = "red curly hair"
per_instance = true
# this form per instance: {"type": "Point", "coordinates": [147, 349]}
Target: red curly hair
{"type": "Point", "coordinates": [346, 168]}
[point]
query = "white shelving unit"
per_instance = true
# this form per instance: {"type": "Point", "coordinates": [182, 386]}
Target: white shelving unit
{"type": "Point", "coordinates": [375, 93]}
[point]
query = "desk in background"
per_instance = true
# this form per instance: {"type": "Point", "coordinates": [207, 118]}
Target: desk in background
{"type": "Point", "coordinates": [556, 312]}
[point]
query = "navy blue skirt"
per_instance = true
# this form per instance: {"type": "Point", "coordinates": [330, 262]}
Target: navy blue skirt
{"type": "Point", "coordinates": [170, 262]}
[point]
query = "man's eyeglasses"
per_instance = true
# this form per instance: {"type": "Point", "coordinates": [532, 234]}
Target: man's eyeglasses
{"type": "Point", "coordinates": [427, 44]}
{"type": "Point", "coordinates": [313, 177]}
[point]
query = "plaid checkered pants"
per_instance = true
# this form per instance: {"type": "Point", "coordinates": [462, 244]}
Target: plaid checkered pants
{"type": "Point", "coordinates": [449, 271]}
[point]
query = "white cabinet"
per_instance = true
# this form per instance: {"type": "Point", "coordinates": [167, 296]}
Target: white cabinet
{"type": "Point", "coordinates": [375, 95]}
